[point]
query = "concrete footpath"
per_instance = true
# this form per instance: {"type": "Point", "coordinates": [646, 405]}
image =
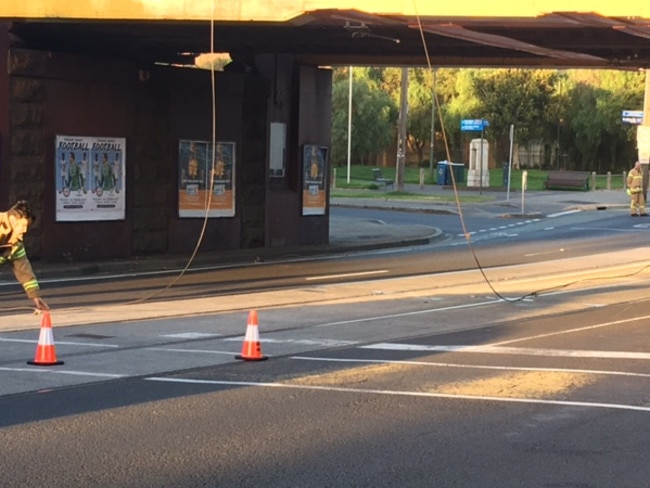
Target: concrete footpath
{"type": "Point", "coordinates": [354, 234]}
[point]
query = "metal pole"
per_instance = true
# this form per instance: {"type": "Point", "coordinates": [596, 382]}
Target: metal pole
{"type": "Point", "coordinates": [401, 143]}
{"type": "Point", "coordinates": [557, 145]}
{"type": "Point", "coordinates": [433, 121]}
{"type": "Point", "coordinates": [512, 138]}
{"type": "Point", "coordinates": [524, 183]}
{"type": "Point", "coordinates": [481, 160]}
{"type": "Point", "coordinates": [349, 123]}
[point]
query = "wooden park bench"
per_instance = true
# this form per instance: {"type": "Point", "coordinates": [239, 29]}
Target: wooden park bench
{"type": "Point", "coordinates": [567, 180]}
{"type": "Point", "coordinates": [379, 178]}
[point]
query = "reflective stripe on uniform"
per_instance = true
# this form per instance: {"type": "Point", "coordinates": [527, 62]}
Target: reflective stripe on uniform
{"type": "Point", "coordinates": [31, 285]}
{"type": "Point", "coordinates": [19, 253]}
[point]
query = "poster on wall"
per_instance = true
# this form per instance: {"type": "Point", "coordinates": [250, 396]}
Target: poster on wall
{"type": "Point", "coordinates": [314, 160]}
{"type": "Point", "coordinates": [90, 178]}
{"type": "Point", "coordinates": [206, 179]}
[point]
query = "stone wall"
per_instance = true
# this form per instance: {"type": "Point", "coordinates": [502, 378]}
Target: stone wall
{"type": "Point", "coordinates": [54, 94]}
{"type": "Point", "coordinates": [26, 169]}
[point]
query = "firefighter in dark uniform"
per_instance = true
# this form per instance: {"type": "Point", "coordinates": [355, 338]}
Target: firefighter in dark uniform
{"type": "Point", "coordinates": [13, 225]}
{"type": "Point", "coordinates": [635, 191]}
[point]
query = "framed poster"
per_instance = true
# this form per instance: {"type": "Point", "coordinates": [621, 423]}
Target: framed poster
{"type": "Point", "coordinates": [206, 179]}
{"type": "Point", "coordinates": [314, 168]}
{"type": "Point", "coordinates": [90, 178]}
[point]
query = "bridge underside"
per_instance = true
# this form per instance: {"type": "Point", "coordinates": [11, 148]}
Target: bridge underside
{"type": "Point", "coordinates": [350, 37]}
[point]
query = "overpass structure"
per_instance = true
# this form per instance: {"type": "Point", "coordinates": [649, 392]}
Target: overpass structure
{"type": "Point", "coordinates": [551, 33]}
{"type": "Point", "coordinates": [86, 74]}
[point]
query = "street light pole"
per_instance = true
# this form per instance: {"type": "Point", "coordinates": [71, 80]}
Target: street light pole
{"type": "Point", "coordinates": [433, 121]}
{"type": "Point", "coordinates": [349, 123]}
{"type": "Point", "coordinates": [401, 142]}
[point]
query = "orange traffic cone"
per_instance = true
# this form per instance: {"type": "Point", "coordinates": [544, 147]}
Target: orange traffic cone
{"type": "Point", "coordinates": [45, 351]}
{"type": "Point", "coordinates": [252, 350]}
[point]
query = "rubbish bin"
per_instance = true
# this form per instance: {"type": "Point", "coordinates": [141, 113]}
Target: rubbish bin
{"type": "Point", "coordinates": [506, 174]}
{"type": "Point", "coordinates": [459, 173]}
{"type": "Point", "coordinates": [442, 173]}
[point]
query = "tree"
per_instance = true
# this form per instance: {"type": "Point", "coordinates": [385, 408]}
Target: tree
{"type": "Point", "coordinates": [574, 113]}
{"type": "Point", "coordinates": [599, 139]}
{"type": "Point", "coordinates": [420, 98]}
{"type": "Point", "coordinates": [373, 118]}
{"type": "Point", "coordinates": [446, 122]}
{"type": "Point", "coordinates": [515, 96]}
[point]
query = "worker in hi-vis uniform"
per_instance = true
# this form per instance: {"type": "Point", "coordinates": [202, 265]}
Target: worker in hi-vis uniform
{"type": "Point", "coordinates": [635, 191]}
{"type": "Point", "coordinates": [13, 225]}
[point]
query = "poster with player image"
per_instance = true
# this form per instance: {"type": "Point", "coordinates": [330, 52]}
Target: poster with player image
{"type": "Point", "coordinates": [222, 202]}
{"type": "Point", "coordinates": [89, 178]}
{"type": "Point", "coordinates": [206, 179]}
{"type": "Point", "coordinates": [314, 169]}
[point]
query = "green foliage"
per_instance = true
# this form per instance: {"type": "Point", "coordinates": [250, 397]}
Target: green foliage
{"type": "Point", "coordinates": [514, 96]}
{"type": "Point", "coordinates": [573, 116]}
{"type": "Point", "coordinates": [373, 119]}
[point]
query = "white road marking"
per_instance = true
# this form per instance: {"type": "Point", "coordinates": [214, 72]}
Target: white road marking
{"type": "Point", "coordinates": [570, 331]}
{"type": "Point", "coordinates": [193, 351]}
{"type": "Point", "coordinates": [63, 371]}
{"type": "Point", "coordinates": [191, 335]}
{"type": "Point", "coordinates": [474, 366]}
{"type": "Point", "coordinates": [302, 342]}
{"type": "Point", "coordinates": [608, 229]}
{"type": "Point", "coordinates": [542, 253]}
{"type": "Point", "coordinates": [64, 343]}
{"type": "Point", "coordinates": [566, 212]}
{"type": "Point", "coordinates": [495, 229]}
{"type": "Point", "coordinates": [521, 351]}
{"type": "Point", "coordinates": [347, 275]}
{"type": "Point", "coordinates": [419, 394]}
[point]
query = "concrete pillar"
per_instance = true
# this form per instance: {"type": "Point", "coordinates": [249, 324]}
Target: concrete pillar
{"type": "Point", "coordinates": [643, 135]}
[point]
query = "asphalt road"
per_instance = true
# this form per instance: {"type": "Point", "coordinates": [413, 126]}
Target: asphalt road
{"type": "Point", "coordinates": [556, 400]}
{"type": "Point", "coordinates": [538, 379]}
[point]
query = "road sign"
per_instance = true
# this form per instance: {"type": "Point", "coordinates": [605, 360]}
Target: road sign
{"type": "Point", "coordinates": [632, 117]}
{"type": "Point", "coordinates": [473, 124]}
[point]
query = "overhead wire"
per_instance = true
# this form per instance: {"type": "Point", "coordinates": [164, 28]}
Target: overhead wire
{"type": "Point", "coordinates": [210, 192]}
{"type": "Point", "coordinates": [461, 217]}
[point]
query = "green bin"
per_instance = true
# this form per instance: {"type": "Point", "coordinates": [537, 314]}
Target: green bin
{"type": "Point", "coordinates": [459, 173]}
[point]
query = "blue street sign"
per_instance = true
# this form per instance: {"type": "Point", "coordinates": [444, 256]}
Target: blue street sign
{"type": "Point", "coordinates": [632, 117]}
{"type": "Point", "coordinates": [473, 124]}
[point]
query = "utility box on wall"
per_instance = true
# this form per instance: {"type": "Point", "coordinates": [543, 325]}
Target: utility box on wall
{"type": "Point", "coordinates": [478, 174]}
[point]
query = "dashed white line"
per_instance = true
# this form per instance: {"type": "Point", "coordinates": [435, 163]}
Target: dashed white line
{"type": "Point", "coordinates": [192, 351]}
{"type": "Point", "coordinates": [191, 335]}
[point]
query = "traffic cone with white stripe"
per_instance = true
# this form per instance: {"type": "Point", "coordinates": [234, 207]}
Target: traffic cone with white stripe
{"type": "Point", "coordinates": [252, 349]}
{"type": "Point", "coordinates": [45, 351]}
